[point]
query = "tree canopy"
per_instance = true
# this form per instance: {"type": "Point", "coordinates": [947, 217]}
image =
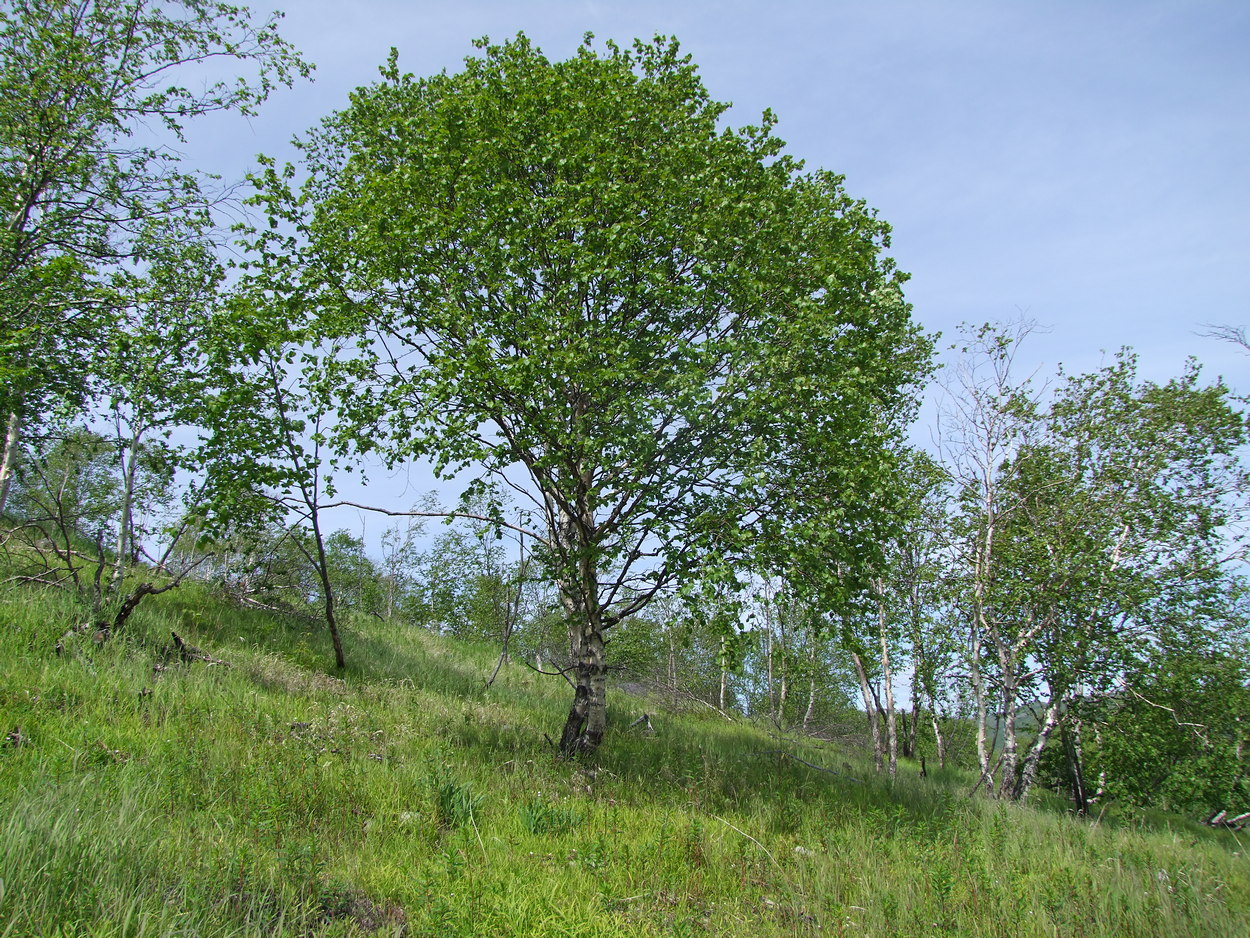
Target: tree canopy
{"type": "Point", "coordinates": [574, 276]}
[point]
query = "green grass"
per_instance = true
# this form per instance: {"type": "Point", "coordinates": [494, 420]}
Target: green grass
{"type": "Point", "coordinates": [142, 796]}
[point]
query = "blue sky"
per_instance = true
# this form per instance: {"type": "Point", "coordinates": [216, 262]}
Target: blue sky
{"type": "Point", "coordinates": [1085, 163]}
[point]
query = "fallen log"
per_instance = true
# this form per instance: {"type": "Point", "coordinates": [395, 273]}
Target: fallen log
{"type": "Point", "coordinates": [1221, 819]}
{"type": "Point", "coordinates": [645, 722]}
{"type": "Point", "coordinates": [189, 653]}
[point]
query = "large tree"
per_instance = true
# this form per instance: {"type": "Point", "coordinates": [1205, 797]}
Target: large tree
{"type": "Point", "coordinates": [575, 277]}
{"type": "Point", "coordinates": [92, 92]}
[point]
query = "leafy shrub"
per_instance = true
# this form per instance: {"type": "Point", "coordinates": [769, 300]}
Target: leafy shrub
{"type": "Point", "coordinates": [455, 802]}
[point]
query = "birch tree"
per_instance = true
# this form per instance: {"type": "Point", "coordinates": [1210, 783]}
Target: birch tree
{"type": "Point", "coordinates": [268, 430]}
{"type": "Point", "coordinates": [989, 417]}
{"type": "Point", "coordinates": [87, 88]}
{"type": "Point", "coordinates": [918, 575]}
{"type": "Point", "coordinates": [150, 389]}
{"type": "Point", "coordinates": [1083, 520]}
{"type": "Point", "coordinates": [1126, 506]}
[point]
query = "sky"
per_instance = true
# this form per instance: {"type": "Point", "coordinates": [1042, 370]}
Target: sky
{"type": "Point", "coordinates": [1083, 164]}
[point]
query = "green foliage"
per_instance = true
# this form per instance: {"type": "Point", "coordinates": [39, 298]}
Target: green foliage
{"type": "Point", "coordinates": [1124, 498]}
{"type": "Point", "coordinates": [670, 650]}
{"type": "Point", "coordinates": [83, 85]}
{"type": "Point", "coordinates": [72, 481]}
{"type": "Point", "coordinates": [1096, 531]}
{"type": "Point", "coordinates": [352, 572]}
{"type": "Point", "coordinates": [1174, 737]}
{"type": "Point", "coordinates": [461, 585]}
{"type": "Point", "coordinates": [149, 383]}
{"type": "Point", "coordinates": [106, 262]}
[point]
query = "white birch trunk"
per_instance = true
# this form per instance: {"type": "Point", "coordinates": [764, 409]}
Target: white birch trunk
{"type": "Point", "coordinates": [1028, 771]}
{"type": "Point", "coordinates": [811, 684]}
{"type": "Point", "coordinates": [8, 462]}
{"type": "Point", "coordinates": [982, 712]}
{"type": "Point", "coordinates": [1010, 758]}
{"type": "Point", "coordinates": [870, 707]}
{"type": "Point", "coordinates": [887, 680]}
{"type": "Point", "coordinates": [937, 735]}
{"type": "Point", "coordinates": [724, 672]}
{"type": "Point", "coordinates": [125, 523]}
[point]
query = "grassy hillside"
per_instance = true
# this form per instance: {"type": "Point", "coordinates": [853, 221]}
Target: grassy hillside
{"type": "Point", "coordinates": [141, 795]}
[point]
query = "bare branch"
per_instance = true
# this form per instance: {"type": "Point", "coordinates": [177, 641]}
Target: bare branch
{"type": "Point", "coordinates": [442, 514]}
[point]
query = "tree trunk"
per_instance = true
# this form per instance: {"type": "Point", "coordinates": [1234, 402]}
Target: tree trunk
{"type": "Point", "coordinates": [327, 590]}
{"type": "Point", "coordinates": [982, 716]}
{"type": "Point", "coordinates": [9, 460]}
{"type": "Point", "coordinates": [870, 707]}
{"type": "Point", "coordinates": [980, 622]}
{"type": "Point", "coordinates": [587, 720]}
{"type": "Point", "coordinates": [131, 603]}
{"type": "Point", "coordinates": [579, 594]}
{"type": "Point", "coordinates": [724, 671]}
{"type": "Point", "coordinates": [1072, 749]}
{"type": "Point", "coordinates": [1010, 781]}
{"type": "Point", "coordinates": [1101, 790]}
{"type": "Point", "coordinates": [887, 680]}
{"type": "Point", "coordinates": [1028, 770]}
{"type": "Point", "coordinates": [912, 728]}
{"type": "Point", "coordinates": [125, 523]}
{"type": "Point", "coordinates": [784, 691]}
{"type": "Point", "coordinates": [768, 655]}
{"type": "Point", "coordinates": [811, 683]}
{"type": "Point", "coordinates": [939, 740]}
{"type": "Point", "coordinates": [925, 687]}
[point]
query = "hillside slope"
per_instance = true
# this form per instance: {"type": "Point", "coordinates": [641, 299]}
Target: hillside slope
{"type": "Point", "coordinates": [141, 794]}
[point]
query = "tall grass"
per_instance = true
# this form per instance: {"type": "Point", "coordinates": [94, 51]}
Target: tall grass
{"type": "Point", "coordinates": [143, 796]}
